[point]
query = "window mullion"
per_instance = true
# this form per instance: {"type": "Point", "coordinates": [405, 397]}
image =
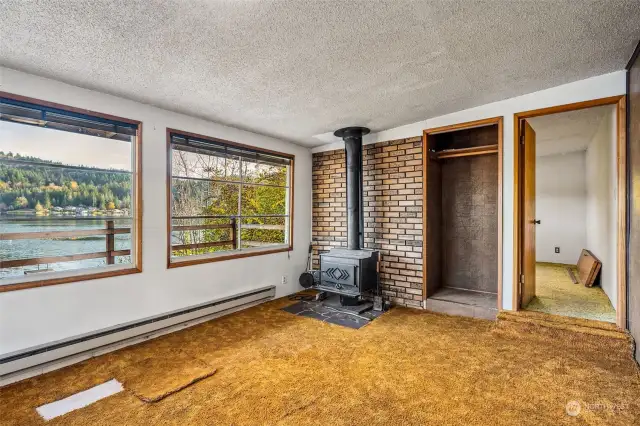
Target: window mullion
{"type": "Point", "coordinates": [239, 215]}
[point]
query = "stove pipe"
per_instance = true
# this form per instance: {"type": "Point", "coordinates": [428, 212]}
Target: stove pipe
{"type": "Point", "coordinates": [352, 137]}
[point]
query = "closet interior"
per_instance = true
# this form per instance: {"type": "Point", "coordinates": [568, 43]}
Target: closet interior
{"type": "Point", "coordinates": [462, 201]}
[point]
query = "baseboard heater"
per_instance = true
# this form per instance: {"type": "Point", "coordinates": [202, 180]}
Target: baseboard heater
{"type": "Point", "coordinates": [40, 359]}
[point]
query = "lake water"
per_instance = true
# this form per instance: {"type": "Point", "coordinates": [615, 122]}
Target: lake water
{"type": "Point", "coordinates": [32, 248]}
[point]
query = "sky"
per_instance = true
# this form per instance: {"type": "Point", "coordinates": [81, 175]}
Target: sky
{"type": "Point", "coordinates": [65, 147]}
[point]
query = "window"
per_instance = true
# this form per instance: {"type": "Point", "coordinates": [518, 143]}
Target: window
{"type": "Point", "coordinates": [69, 193]}
{"type": "Point", "coordinates": [226, 200]}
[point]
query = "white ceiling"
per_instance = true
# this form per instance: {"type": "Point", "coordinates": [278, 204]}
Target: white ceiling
{"type": "Point", "coordinates": [568, 131]}
{"type": "Point", "coordinates": [294, 69]}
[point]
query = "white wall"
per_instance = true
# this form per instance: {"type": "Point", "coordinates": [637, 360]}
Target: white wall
{"type": "Point", "coordinates": [603, 86]}
{"type": "Point", "coordinates": [602, 215]}
{"type": "Point", "coordinates": [40, 315]}
{"type": "Point", "coordinates": [561, 201]}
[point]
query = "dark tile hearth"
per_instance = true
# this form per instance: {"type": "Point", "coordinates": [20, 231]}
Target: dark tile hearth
{"type": "Point", "coordinates": [325, 311]}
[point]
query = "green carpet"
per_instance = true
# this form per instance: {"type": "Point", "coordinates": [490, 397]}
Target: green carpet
{"type": "Point", "coordinates": [557, 294]}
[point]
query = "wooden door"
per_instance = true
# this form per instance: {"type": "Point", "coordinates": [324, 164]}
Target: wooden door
{"type": "Point", "coordinates": [528, 285]}
{"type": "Point", "coordinates": [633, 255]}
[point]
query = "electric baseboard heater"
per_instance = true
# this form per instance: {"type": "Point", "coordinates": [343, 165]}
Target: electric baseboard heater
{"type": "Point", "coordinates": [37, 360]}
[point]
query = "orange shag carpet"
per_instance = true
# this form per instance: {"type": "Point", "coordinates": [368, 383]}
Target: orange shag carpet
{"type": "Point", "coordinates": [408, 367]}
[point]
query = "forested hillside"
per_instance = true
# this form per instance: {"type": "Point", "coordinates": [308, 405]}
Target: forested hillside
{"type": "Point", "coordinates": [33, 183]}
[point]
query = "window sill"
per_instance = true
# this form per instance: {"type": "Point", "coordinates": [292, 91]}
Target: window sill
{"type": "Point", "coordinates": [68, 279]}
{"type": "Point", "coordinates": [228, 256]}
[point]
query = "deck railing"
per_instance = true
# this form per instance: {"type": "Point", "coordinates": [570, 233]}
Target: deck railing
{"type": "Point", "coordinates": [110, 231]}
{"type": "Point", "coordinates": [110, 253]}
{"type": "Point", "coordinates": [233, 241]}
{"type": "Point", "coordinates": [235, 223]}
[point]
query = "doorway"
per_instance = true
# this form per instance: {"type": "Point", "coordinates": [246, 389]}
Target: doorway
{"type": "Point", "coordinates": [570, 210]}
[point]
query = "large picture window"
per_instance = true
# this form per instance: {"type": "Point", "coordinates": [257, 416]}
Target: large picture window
{"type": "Point", "coordinates": [226, 199]}
{"type": "Point", "coordinates": [69, 193]}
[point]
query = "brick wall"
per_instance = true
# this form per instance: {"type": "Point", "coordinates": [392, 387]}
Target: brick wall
{"type": "Point", "coordinates": [392, 212]}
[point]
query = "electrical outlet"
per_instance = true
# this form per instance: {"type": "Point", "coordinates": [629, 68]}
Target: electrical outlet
{"type": "Point", "coordinates": [557, 249]}
{"type": "Point", "coordinates": [284, 279]}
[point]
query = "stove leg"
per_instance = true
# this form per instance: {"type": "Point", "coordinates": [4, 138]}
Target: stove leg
{"type": "Point", "coordinates": [349, 301]}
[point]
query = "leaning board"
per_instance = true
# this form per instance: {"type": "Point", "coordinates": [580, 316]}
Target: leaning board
{"type": "Point", "coordinates": [588, 268]}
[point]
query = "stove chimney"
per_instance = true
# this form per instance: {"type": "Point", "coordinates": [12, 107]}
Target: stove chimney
{"type": "Point", "coordinates": [352, 137]}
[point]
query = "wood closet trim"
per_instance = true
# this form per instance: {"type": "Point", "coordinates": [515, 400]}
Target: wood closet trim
{"type": "Point", "coordinates": [621, 246]}
{"type": "Point", "coordinates": [425, 157]}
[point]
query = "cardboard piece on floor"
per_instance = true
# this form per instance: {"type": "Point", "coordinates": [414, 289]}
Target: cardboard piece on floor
{"type": "Point", "coordinates": [79, 400]}
{"type": "Point", "coordinates": [594, 279]}
{"type": "Point", "coordinates": [572, 275]}
{"type": "Point", "coordinates": [588, 268]}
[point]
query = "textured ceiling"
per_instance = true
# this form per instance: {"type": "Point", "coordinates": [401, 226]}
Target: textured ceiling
{"type": "Point", "coordinates": [294, 69]}
{"type": "Point", "coordinates": [568, 131]}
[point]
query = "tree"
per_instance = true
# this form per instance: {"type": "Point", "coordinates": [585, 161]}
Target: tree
{"type": "Point", "coordinates": [39, 207]}
{"type": "Point", "coordinates": [47, 201]}
{"type": "Point", "coordinates": [20, 203]}
{"type": "Point", "coordinates": [62, 187]}
{"type": "Point", "coordinates": [221, 199]}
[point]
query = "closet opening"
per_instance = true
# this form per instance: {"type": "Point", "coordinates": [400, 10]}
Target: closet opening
{"type": "Point", "coordinates": [462, 172]}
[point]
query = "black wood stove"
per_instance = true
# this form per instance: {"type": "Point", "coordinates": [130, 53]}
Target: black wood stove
{"type": "Point", "coordinates": [352, 272]}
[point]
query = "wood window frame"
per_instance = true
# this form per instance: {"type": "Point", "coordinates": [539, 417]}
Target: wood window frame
{"type": "Point", "coordinates": [240, 254]}
{"type": "Point", "coordinates": [621, 187]}
{"type": "Point", "coordinates": [492, 121]}
{"type": "Point", "coordinates": [136, 243]}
